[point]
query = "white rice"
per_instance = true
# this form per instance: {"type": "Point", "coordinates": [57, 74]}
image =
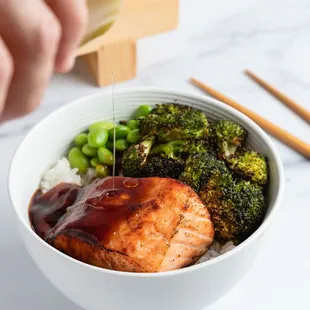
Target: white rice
{"type": "Point", "coordinates": [216, 250]}
{"type": "Point", "coordinates": [62, 172]}
{"type": "Point", "coordinates": [90, 174]}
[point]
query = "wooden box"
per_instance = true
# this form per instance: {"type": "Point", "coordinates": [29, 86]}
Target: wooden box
{"type": "Point", "coordinates": [115, 51]}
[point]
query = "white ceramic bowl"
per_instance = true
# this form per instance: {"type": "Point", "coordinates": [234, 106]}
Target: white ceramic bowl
{"type": "Point", "coordinates": [92, 288]}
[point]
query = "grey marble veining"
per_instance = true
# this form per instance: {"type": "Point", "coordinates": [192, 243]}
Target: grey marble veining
{"type": "Point", "coordinates": [215, 42]}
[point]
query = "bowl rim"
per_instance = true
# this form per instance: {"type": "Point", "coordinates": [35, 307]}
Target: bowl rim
{"type": "Point", "coordinates": [159, 90]}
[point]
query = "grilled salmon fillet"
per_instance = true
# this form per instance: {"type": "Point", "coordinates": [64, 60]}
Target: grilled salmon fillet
{"type": "Point", "coordinates": [143, 225]}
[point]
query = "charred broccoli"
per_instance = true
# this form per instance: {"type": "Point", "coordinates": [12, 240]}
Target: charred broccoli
{"type": "Point", "coordinates": [199, 168]}
{"type": "Point", "coordinates": [170, 122]}
{"type": "Point", "coordinates": [178, 142]}
{"type": "Point", "coordinates": [169, 108]}
{"type": "Point", "coordinates": [236, 208]}
{"type": "Point", "coordinates": [162, 167]}
{"type": "Point", "coordinates": [135, 157]}
{"type": "Point", "coordinates": [170, 149]}
{"type": "Point", "coordinates": [227, 136]}
{"type": "Point", "coordinates": [249, 165]}
{"type": "Point", "coordinates": [182, 148]}
{"type": "Point", "coordinates": [197, 146]}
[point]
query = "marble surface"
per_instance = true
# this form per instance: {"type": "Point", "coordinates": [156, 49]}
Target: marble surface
{"type": "Point", "coordinates": [215, 42]}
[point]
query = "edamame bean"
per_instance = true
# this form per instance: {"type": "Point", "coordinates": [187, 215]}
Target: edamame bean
{"type": "Point", "coordinates": [134, 136]}
{"type": "Point", "coordinates": [78, 160]}
{"type": "Point", "coordinates": [121, 145]}
{"type": "Point", "coordinates": [89, 151]}
{"type": "Point", "coordinates": [105, 156]}
{"type": "Point", "coordinates": [95, 162]}
{"type": "Point", "coordinates": [97, 137]}
{"type": "Point", "coordinates": [121, 131]}
{"type": "Point", "coordinates": [143, 110]}
{"type": "Point", "coordinates": [102, 171]}
{"type": "Point", "coordinates": [102, 125]}
{"type": "Point", "coordinates": [109, 145]}
{"type": "Point", "coordinates": [81, 139]}
{"type": "Point", "coordinates": [133, 124]}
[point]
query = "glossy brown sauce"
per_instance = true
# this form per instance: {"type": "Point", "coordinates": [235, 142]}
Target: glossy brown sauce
{"type": "Point", "coordinates": [95, 210]}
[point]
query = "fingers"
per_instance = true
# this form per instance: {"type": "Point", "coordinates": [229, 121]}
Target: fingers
{"type": "Point", "coordinates": [32, 34]}
{"type": "Point", "coordinates": [6, 72]}
{"type": "Point", "coordinates": [72, 15]}
{"type": "Point", "coordinates": [39, 36]}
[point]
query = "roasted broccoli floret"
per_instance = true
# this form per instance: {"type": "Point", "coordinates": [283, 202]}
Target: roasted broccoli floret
{"type": "Point", "coordinates": [135, 157]}
{"type": "Point", "coordinates": [169, 108]}
{"type": "Point", "coordinates": [170, 123]}
{"type": "Point", "coordinates": [249, 165]}
{"type": "Point", "coordinates": [227, 136]}
{"type": "Point", "coordinates": [199, 146]}
{"type": "Point", "coordinates": [162, 167]}
{"type": "Point", "coordinates": [171, 149]}
{"type": "Point", "coordinates": [236, 208]}
{"type": "Point", "coordinates": [182, 148]}
{"type": "Point", "coordinates": [199, 168]}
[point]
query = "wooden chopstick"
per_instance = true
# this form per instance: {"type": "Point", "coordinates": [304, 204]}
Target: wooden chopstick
{"type": "Point", "coordinates": [282, 135]}
{"type": "Point", "coordinates": [298, 109]}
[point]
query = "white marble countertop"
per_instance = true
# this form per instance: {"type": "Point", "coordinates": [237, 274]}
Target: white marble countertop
{"type": "Point", "coordinates": [215, 42]}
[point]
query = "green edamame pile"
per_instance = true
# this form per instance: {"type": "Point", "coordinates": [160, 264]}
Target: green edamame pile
{"type": "Point", "coordinates": [93, 148]}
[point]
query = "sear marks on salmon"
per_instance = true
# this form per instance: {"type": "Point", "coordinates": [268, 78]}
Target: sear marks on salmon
{"type": "Point", "coordinates": [143, 225]}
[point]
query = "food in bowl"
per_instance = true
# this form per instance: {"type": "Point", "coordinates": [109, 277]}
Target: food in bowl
{"type": "Point", "coordinates": [194, 191]}
{"type": "Point", "coordinates": [142, 225]}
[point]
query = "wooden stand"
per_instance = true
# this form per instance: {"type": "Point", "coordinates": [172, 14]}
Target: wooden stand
{"type": "Point", "coordinates": [115, 51]}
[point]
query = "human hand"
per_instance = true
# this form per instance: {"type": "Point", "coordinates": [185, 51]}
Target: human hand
{"type": "Point", "coordinates": [36, 38]}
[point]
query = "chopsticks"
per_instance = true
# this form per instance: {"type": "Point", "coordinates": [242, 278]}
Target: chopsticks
{"type": "Point", "coordinates": [298, 109]}
{"type": "Point", "coordinates": [279, 133]}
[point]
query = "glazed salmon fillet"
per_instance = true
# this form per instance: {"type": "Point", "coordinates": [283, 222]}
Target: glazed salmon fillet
{"type": "Point", "coordinates": [147, 225]}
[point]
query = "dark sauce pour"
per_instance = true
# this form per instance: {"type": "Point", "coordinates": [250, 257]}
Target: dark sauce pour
{"type": "Point", "coordinates": [94, 210]}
